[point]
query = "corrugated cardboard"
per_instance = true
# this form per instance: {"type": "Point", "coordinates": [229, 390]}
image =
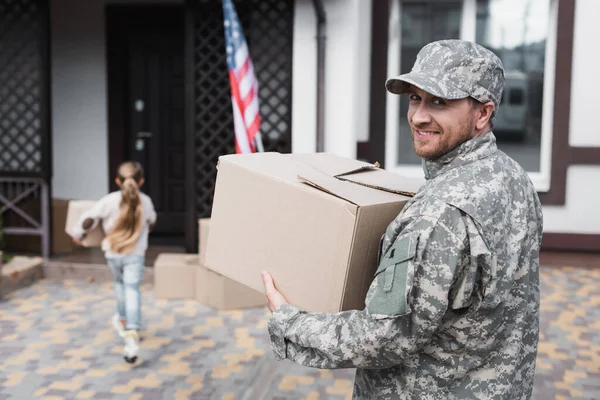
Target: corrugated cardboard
{"type": "Point", "coordinates": [61, 242]}
{"type": "Point", "coordinates": [181, 276]}
{"type": "Point", "coordinates": [76, 208]}
{"type": "Point", "coordinates": [175, 276]}
{"type": "Point", "coordinates": [222, 293]}
{"type": "Point", "coordinates": [216, 290]}
{"type": "Point", "coordinates": [305, 219]}
{"type": "Point", "coordinates": [202, 238]}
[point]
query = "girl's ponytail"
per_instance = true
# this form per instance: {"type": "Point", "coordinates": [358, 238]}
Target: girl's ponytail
{"type": "Point", "coordinates": [126, 232]}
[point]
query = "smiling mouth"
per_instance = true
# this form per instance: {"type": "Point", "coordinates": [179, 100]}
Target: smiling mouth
{"type": "Point", "coordinates": [421, 133]}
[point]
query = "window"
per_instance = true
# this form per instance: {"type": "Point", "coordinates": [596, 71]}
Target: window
{"type": "Point", "coordinates": [521, 33]}
{"type": "Point", "coordinates": [516, 97]}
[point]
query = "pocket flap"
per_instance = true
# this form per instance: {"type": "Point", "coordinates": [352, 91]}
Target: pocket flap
{"type": "Point", "coordinates": [404, 248]}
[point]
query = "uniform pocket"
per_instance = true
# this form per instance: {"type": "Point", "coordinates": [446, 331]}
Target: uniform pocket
{"type": "Point", "coordinates": [394, 279]}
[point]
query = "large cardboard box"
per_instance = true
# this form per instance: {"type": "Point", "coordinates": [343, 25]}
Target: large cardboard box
{"type": "Point", "coordinates": [314, 221]}
{"type": "Point", "coordinates": [222, 293]}
{"type": "Point", "coordinates": [175, 276]}
{"type": "Point", "coordinates": [216, 290]}
{"type": "Point", "coordinates": [75, 209]}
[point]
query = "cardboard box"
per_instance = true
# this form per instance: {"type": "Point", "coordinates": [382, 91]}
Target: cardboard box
{"type": "Point", "coordinates": [222, 293]}
{"type": "Point", "coordinates": [314, 221]}
{"type": "Point", "coordinates": [216, 290]}
{"type": "Point", "coordinates": [175, 276]}
{"type": "Point", "coordinates": [181, 276]}
{"type": "Point", "coordinates": [61, 241]}
{"type": "Point", "coordinates": [203, 224]}
{"type": "Point", "coordinates": [75, 209]}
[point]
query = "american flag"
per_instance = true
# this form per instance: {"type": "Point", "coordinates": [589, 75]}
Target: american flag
{"type": "Point", "coordinates": [244, 85]}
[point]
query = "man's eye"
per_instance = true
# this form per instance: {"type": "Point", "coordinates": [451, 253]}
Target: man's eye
{"type": "Point", "coordinates": [439, 102]}
{"type": "Point", "coordinates": [414, 97]}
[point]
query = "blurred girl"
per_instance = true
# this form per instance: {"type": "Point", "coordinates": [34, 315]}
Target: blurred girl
{"type": "Point", "coordinates": [126, 217]}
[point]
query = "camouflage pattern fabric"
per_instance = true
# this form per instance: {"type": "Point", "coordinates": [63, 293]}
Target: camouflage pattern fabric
{"type": "Point", "coordinates": [454, 69]}
{"type": "Point", "coordinates": [453, 312]}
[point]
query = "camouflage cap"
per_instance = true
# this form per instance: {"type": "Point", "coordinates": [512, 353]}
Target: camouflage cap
{"type": "Point", "coordinates": [454, 69]}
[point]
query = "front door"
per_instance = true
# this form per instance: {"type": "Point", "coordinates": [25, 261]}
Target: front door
{"type": "Point", "coordinates": [152, 62]}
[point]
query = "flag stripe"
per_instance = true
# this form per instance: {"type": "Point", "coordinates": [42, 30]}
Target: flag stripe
{"type": "Point", "coordinates": [243, 82]}
{"type": "Point", "coordinates": [243, 72]}
{"type": "Point", "coordinates": [249, 98]}
{"type": "Point", "coordinates": [250, 112]}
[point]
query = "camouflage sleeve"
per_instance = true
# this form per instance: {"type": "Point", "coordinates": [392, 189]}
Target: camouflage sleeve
{"type": "Point", "coordinates": [405, 304]}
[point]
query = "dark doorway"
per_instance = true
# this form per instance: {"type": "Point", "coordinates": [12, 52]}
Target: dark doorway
{"type": "Point", "coordinates": [145, 63]}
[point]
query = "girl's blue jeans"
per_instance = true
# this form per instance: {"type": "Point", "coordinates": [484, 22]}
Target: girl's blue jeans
{"type": "Point", "coordinates": [128, 271]}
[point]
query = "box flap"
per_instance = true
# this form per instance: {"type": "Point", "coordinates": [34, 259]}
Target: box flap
{"type": "Point", "coordinates": [331, 164]}
{"type": "Point", "coordinates": [374, 177]}
{"type": "Point", "coordinates": [358, 183]}
{"type": "Point", "coordinates": [359, 195]}
{"type": "Point", "coordinates": [344, 185]}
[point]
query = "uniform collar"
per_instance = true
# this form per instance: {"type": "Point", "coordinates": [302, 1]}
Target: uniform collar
{"type": "Point", "coordinates": [471, 150]}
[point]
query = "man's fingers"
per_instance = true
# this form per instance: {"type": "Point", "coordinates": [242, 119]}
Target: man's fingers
{"type": "Point", "coordinates": [274, 298]}
{"type": "Point", "coordinates": [268, 282]}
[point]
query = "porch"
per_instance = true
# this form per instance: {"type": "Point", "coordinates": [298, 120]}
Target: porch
{"type": "Point", "coordinates": [87, 86]}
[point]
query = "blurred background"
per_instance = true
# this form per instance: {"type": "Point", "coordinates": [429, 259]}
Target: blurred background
{"type": "Point", "coordinates": [85, 85]}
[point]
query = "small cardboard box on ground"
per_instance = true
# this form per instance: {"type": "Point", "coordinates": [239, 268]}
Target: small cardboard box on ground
{"type": "Point", "coordinates": [175, 276]}
{"type": "Point", "coordinates": [216, 290]}
{"type": "Point", "coordinates": [314, 221]}
{"type": "Point", "coordinates": [75, 209]}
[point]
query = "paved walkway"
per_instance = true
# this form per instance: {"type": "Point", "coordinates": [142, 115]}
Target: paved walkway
{"type": "Point", "coordinates": [56, 342]}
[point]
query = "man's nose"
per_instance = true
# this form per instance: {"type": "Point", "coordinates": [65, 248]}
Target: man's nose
{"type": "Point", "coordinates": [421, 116]}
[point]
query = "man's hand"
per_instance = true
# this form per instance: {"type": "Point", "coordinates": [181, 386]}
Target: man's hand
{"type": "Point", "coordinates": [274, 298]}
{"type": "Point", "coordinates": [77, 242]}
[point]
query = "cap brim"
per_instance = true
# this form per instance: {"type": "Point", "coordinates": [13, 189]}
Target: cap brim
{"type": "Point", "coordinates": [402, 83]}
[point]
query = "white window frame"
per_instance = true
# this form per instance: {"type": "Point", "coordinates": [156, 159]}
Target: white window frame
{"type": "Point", "coordinates": [541, 179]}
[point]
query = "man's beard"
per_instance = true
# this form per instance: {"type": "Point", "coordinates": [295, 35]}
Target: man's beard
{"type": "Point", "coordinates": [444, 147]}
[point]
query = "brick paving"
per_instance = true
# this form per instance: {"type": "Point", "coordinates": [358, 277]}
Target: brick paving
{"type": "Point", "coordinates": [56, 342]}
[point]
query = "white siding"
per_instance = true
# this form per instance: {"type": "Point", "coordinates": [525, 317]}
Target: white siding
{"type": "Point", "coordinates": [347, 76]}
{"type": "Point", "coordinates": [304, 86]}
{"type": "Point", "coordinates": [79, 121]}
{"type": "Point", "coordinates": [581, 214]}
{"type": "Point", "coordinates": [585, 85]}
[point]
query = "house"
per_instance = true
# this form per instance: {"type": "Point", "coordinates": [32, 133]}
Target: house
{"type": "Point", "coordinates": [85, 85]}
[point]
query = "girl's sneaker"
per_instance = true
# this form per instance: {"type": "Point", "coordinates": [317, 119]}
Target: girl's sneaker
{"type": "Point", "coordinates": [132, 346]}
{"type": "Point", "coordinates": [116, 321]}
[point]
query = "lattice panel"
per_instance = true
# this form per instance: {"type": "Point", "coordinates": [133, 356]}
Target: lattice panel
{"type": "Point", "coordinates": [22, 72]}
{"type": "Point", "coordinates": [268, 26]}
{"type": "Point", "coordinates": [30, 204]}
{"type": "Point", "coordinates": [271, 42]}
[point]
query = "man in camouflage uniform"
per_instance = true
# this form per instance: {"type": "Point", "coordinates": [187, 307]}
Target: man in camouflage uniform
{"type": "Point", "coordinates": [453, 310]}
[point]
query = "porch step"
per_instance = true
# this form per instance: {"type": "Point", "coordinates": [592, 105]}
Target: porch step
{"type": "Point", "coordinates": [20, 272]}
{"type": "Point", "coordinates": [61, 270]}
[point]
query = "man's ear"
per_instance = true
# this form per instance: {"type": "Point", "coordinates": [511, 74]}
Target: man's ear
{"type": "Point", "coordinates": [485, 114]}
{"type": "Point", "coordinates": [118, 182]}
